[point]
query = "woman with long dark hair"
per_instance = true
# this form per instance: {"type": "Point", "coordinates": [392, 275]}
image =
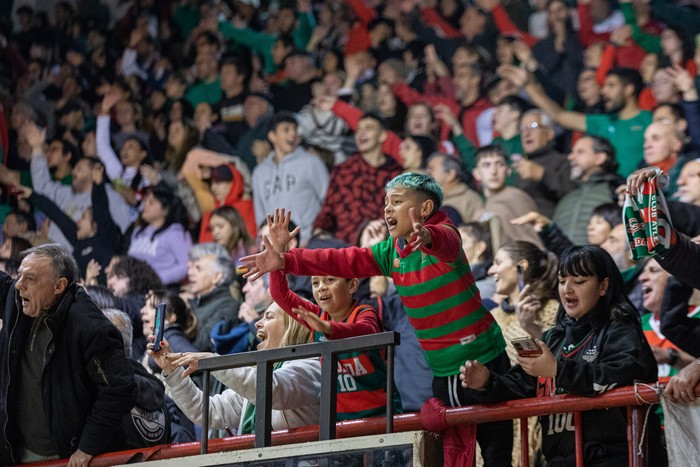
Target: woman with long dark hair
{"type": "Point", "coordinates": [596, 345]}
{"type": "Point", "coordinates": [159, 236]}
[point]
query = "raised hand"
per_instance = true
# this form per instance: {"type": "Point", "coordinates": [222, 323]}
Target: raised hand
{"type": "Point", "coordinates": [263, 262]}
{"type": "Point", "coordinates": [528, 170]}
{"type": "Point", "coordinates": [526, 310]}
{"type": "Point", "coordinates": [278, 225]}
{"type": "Point", "coordinates": [621, 35]}
{"type": "Point", "coordinates": [474, 375]}
{"type": "Point", "coordinates": [324, 103]}
{"type": "Point", "coordinates": [151, 174]}
{"type": "Point", "coordinates": [538, 220]}
{"type": "Point", "coordinates": [683, 81]}
{"type": "Point", "coordinates": [313, 321]}
{"type": "Point", "coordinates": [523, 52]}
{"type": "Point", "coordinates": [92, 271]}
{"type": "Point", "coordinates": [110, 99]}
{"type": "Point", "coordinates": [373, 233]}
{"type": "Point", "coordinates": [247, 313]}
{"type": "Point", "coordinates": [637, 178]}
{"type": "Point", "coordinates": [516, 75]}
{"type": "Point", "coordinates": [445, 114]}
{"type": "Point", "coordinates": [420, 236]}
{"type": "Point", "coordinates": [34, 136]}
{"type": "Point", "coordinates": [24, 192]}
{"type": "Point", "coordinates": [159, 357]}
{"type": "Point", "coordinates": [542, 365]}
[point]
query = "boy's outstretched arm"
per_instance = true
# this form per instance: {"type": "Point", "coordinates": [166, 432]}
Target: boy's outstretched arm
{"type": "Point", "coordinates": [261, 263]}
{"type": "Point", "coordinates": [441, 241]}
{"type": "Point", "coordinates": [290, 302]}
{"type": "Point", "coordinates": [343, 262]}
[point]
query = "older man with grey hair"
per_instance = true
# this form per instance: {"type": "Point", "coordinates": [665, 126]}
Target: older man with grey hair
{"type": "Point", "coordinates": [148, 423]}
{"type": "Point", "coordinates": [542, 172]}
{"type": "Point", "coordinates": [66, 382]}
{"type": "Point", "coordinates": [211, 272]}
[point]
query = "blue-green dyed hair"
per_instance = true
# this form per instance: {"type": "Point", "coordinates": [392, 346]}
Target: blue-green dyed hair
{"type": "Point", "coordinates": [424, 185]}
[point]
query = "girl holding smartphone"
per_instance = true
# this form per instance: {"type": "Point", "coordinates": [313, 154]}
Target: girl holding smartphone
{"type": "Point", "coordinates": [596, 345]}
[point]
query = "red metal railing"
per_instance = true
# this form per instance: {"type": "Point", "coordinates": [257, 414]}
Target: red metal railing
{"type": "Point", "coordinates": [634, 398]}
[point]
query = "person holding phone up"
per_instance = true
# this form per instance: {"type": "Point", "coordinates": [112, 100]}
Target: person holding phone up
{"type": "Point", "coordinates": [527, 277]}
{"type": "Point", "coordinates": [596, 345]}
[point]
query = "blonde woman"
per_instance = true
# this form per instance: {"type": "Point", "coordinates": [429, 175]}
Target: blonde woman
{"type": "Point", "coordinates": [296, 385]}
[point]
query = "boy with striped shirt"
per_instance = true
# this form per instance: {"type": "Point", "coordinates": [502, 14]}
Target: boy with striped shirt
{"type": "Point", "coordinates": [424, 258]}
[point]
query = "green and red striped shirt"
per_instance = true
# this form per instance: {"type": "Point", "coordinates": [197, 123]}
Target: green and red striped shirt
{"type": "Point", "coordinates": [436, 287]}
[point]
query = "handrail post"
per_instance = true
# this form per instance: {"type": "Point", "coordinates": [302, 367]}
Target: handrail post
{"type": "Point", "coordinates": [329, 388]}
{"type": "Point", "coordinates": [634, 435]}
{"type": "Point", "coordinates": [205, 414]}
{"type": "Point", "coordinates": [578, 433]}
{"type": "Point", "coordinates": [263, 404]}
{"type": "Point", "coordinates": [390, 388]}
{"type": "Point", "coordinates": [524, 443]}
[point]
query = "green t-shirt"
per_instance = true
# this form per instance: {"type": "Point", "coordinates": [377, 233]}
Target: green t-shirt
{"type": "Point", "coordinates": [626, 136]}
{"type": "Point", "coordinates": [204, 92]}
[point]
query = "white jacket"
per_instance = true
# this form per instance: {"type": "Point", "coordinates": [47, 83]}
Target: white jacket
{"type": "Point", "coordinates": [296, 391]}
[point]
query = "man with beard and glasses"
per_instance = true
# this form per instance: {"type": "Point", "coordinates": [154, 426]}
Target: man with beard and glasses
{"type": "Point", "coordinates": [623, 124]}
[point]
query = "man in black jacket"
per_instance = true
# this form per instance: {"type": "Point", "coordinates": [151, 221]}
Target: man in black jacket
{"type": "Point", "coordinates": [66, 382]}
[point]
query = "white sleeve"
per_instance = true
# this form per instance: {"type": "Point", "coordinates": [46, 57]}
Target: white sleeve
{"type": "Point", "coordinates": [42, 183]}
{"type": "Point", "coordinates": [113, 167]}
{"type": "Point", "coordinates": [484, 126]}
{"type": "Point", "coordinates": [297, 383]}
{"type": "Point", "coordinates": [225, 409]}
{"type": "Point", "coordinates": [259, 195]}
{"type": "Point", "coordinates": [129, 65]}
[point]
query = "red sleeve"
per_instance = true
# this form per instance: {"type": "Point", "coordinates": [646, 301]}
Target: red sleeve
{"type": "Point", "coordinates": [410, 96]}
{"type": "Point", "coordinates": [647, 101]}
{"type": "Point", "coordinates": [391, 146]}
{"type": "Point", "coordinates": [364, 12]}
{"type": "Point", "coordinates": [506, 26]}
{"type": "Point", "coordinates": [358, 39]}
{"type": "Point", "coordinates": [325, 219]}
{"type": "Point", "coordinates": [288, 300]}
{"type": "Point", "coordinates": [607, 61]}
{"type": "Point", "coordinates": [433, 19]}
{"type": "Point", "coordinates": [367, 322]}
{"type": "Point", "coordinates": [585, 33]}
{"type": "Point", "coordinates": [342, 262]}
{"type": "Point", "coordinates": [349, 113]}
{"type": "Point", "coordinates": [446, 243]}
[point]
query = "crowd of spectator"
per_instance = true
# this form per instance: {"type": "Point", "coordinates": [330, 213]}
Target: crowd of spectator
{"type": "Point", "coordinates": [153, 143]}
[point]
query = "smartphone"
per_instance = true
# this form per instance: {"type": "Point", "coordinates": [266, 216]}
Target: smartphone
{"type": "Point", "coordinates": [521, 281]}
{"type": "Point", "coordinates": [159, 326]}
{"type": "Point", "coordinates": [526, 347]}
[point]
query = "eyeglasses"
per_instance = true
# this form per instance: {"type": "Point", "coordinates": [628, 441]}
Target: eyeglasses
{"type": "Point", "coordinates": [532, 126]}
